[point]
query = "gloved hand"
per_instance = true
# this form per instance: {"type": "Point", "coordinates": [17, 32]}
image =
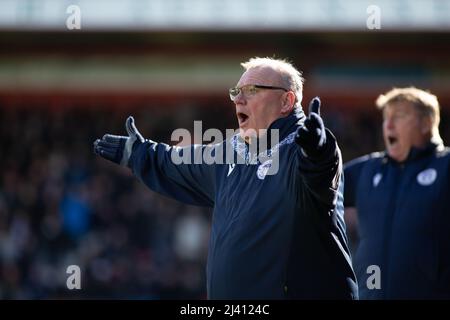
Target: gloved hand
{"type": "Point", "coordinates": [311, 137]}
{"type": "Point", "coordinates": [118, 148]}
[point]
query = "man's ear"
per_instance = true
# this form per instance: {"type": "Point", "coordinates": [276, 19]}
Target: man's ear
{"type": "Point", "coordinates": [288, 101]}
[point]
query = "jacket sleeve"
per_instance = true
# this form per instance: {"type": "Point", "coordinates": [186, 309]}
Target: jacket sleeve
{"type": "Point", "coordinates": [321, 175]}
{"type": "Point", "coordinates": [352, 171]}
{"type": "Point", "coordinates": [443, 226]}
{"type": "Point", "coordinates": [176, 172]}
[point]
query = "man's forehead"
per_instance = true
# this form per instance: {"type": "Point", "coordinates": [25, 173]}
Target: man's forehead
{"type": "Point", "coordinates": [399, 106]}
{"type": "Point", "coordinates": [260, 75]}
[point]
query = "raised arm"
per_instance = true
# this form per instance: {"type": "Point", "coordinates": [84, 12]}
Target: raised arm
{"type": "Point", "coordinates": [320, 162]}
{"type": "Point", "coordinates": [152, 163]}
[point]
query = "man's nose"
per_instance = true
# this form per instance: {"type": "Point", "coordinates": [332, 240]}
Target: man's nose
{"type": "Point", "coordinates": [389, 123]}
{"type": "Point", "coordinates": [240, 99]}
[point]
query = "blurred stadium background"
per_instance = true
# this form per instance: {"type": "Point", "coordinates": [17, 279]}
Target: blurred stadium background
{"type": "Point", "coordinates": [169, 63]}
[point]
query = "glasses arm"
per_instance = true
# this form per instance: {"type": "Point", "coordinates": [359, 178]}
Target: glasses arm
{"type": "Point", "coordinates": [270, 87]}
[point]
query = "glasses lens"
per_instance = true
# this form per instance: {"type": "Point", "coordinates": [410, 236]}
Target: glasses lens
{"type": "Point", "coordinates": [234, 93]}
{"type": "Point", "coordinates": [247, 91]}
{"type": "Point", "coordinates": [250, 90]}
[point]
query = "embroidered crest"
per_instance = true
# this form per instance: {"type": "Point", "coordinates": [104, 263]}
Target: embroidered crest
{"type": "Point", "coordinates": [376, 179]}
{"type": "Point", "coordinates": [427, 177]}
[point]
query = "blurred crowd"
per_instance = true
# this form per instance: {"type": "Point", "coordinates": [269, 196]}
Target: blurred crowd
{"type": "Point", "coordinates": [60, 205]}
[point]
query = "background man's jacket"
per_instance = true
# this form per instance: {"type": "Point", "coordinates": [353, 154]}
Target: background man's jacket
{"type": "Point", "coordinates": [404, 222]}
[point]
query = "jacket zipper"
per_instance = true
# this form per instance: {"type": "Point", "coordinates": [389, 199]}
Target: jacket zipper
{"type": "Point", "coordinates": [390, 229]}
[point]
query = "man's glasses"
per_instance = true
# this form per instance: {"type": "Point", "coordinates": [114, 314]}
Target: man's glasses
{"type": "Point", "coordinates": [250, 90]}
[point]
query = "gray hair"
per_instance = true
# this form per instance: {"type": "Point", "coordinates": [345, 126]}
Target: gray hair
{"type": "Point", "coordinates": [290, 76]}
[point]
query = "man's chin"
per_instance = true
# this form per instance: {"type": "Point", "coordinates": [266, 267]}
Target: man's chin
{"type": "Point", "coordinates": [397, 156]}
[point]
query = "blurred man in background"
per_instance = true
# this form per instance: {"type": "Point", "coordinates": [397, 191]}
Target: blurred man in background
{"type": "Point", "coordinates": [274, 236]}
{"type": "Point", "coordinates": [402, 197]}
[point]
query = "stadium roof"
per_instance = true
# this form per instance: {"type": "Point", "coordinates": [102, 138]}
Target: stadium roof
{"type": "Point", "coordinates": [230, 15]}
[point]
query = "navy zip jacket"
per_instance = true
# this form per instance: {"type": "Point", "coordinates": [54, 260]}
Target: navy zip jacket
{"type": "Point", "coordinates": [279, 236]}
{"type": "Point", "coordinates": [404, 223]}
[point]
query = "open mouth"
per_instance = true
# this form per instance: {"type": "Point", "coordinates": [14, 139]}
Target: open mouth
{"type": "Point", "coordinates": [392, 140]}
{"type": "Point", "coordinates": [242, 118]}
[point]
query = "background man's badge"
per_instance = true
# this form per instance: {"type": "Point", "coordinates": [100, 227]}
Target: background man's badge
{"type": "Point", "coordinates": [427, 177]}
{"type": "Point", "coordinates": [376, 179]}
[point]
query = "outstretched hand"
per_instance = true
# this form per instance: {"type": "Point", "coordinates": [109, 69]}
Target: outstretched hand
{"type": "Point", "coordinates": [118, 148]}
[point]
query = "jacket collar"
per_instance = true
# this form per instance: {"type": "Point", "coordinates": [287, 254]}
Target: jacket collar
{"type": "Point", "coordinates": [286, 127]}
{"type": "Point", "coordinates": [287, 124]}
{"type": "Point", "coordinates": [416, 153]}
